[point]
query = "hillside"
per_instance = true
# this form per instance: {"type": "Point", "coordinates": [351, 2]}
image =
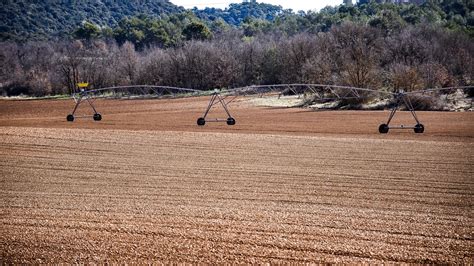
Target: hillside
{"type": "Point", "coordinates": [389, 46]}
{"type": "Point", "coordinates": [36, 20]}
{"type": "Point", "coordinates": [24, 19]}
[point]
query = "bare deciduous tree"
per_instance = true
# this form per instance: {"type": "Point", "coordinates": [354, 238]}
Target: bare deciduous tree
{"type": "Point", "coordinates": [294, 53]}
{"type": "Point", "coordinates": [321, 66]}
{"type": "Point", "coordinates": [358, 50]}
{"type": "Point", "coordinates": [70, 61]}
{"type": "Point", "coordinates": [128, 63]}
{"type": "Point", "coordinates": [349, 54]}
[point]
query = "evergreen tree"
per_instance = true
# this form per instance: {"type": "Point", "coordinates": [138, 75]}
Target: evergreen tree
{"type": "Point", "coordinates": [87, 31]}
{"type": "Point", "coordinates": [197, 31]}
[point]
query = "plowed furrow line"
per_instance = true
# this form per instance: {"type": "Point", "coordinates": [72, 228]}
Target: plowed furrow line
{"type": "Point", "coordinates": [77, 195]}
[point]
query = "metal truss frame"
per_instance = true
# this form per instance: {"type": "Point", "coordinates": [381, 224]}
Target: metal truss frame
{"type": "Point", "coordinates": [333, 92]}
{"type": "Point", "coordinates": [131, 92]}
{"type": "Point", "coordinates": [225, 97]}
{"type": "Point", "coordinates": [216, 98]}
{"type": "Point", "coordinates": [399, 99]}
{"type": "Point", "coordinates": [79, 98]}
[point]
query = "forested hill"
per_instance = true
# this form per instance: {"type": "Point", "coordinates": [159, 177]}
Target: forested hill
{"type": "Point", "coordinates": [48, 19]}
{"type": "Point", "coordinates": [374, 45]}
{"type": "Point", "coordinates": [41, 19]}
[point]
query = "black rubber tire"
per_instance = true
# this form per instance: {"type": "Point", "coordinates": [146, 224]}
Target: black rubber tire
{"type": "Point", "coordinates": [97, 117]}
{"type": "Point", "coordinates": [201, 121]}
{"type": "Point", "coordinates": [70, 118]}
{"type": "Point", "coordinates": [383, 129]}
{"type": "Point", "coordinates": [419, 128]}
{"type": "Point", "coordinates": [230, 121]}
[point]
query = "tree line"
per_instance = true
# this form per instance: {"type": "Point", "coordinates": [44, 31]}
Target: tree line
{"type": "Point", "coordinates": [353, 54]}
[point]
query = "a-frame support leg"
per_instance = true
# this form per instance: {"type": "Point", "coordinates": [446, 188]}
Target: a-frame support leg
{"type": "Point", "coordinates": [83, 97]}
{"type": "Point", "coordinates": [215, 99]}
{"type": "Point", "coordinates": [418, 128]}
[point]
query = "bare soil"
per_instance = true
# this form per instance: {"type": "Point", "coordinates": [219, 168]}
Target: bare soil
{"type": "Point", "coordinates": [147, 184]}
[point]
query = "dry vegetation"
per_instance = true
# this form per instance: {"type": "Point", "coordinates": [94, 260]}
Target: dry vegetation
{"type": "Point", "coordinates": [314, 187]}
{"type": "Point", "coordinates": [350, 54]}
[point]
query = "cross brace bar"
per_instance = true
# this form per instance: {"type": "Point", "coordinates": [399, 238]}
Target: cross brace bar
{"type": "Point", "coordinates": [399, 99]}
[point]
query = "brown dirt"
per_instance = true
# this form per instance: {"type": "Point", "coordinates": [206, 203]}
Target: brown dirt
{"type": "Point", "coordinates": [283, 185]}
{"type": "Point", "coordinates": [181, 115]}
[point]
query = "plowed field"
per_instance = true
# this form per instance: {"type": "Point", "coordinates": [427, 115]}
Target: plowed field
{"type": "Point", "coordinates": [283, 185]}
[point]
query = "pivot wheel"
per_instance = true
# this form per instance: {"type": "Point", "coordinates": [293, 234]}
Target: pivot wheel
{"type": "Point", "coordinates": [201, 121]}
{"type": "Point", "coordinates": [419, 128]}
{"type": "Point", "coordinates": [383, 128]}
{"type": "Point", "coordinates": [70, 118]}
{"type": "Point", "coordinates": [97, 117]}
{"type": "Point", "coordinates": [230, 121]}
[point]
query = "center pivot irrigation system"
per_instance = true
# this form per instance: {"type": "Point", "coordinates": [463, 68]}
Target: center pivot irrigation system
{"type": "Point", "coordinates": [308, 92]}
{"type": "Point", "coordinates": [121, 92]}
